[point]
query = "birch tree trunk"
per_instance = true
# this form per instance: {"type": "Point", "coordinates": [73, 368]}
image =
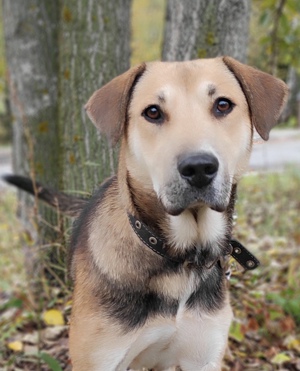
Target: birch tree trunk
{"type": "Point", "coordinates": [206, 28]}
{"type": "Point", "coordinates": [31, 34]}
{"type": "Point", "coordinates": [94, 47]}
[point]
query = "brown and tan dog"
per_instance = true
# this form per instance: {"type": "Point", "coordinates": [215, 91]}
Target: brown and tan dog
{"type": "Point", "coordinates": [147, 250]}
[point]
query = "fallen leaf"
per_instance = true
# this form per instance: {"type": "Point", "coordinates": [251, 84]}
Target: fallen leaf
{"type": "Point", "coordinates": [31, 350]}
{"type": "Point", "coordinates": [237, 331]}
{"type": "Point", "coordinates": [16, 346]}
{"type": "Point", "coordinates": [52, 333]}
{"type": "Point", "coordinates": [53, 317]}
{"type": "Point", "coordinates": [280, 358]}
{"type": "Point", "coordinates": [31, 338]}
{"type": "Point", "coordinates": [252, 324]}
{"type": "Point", "coordinates": [287, 324]}
{"type": "Point", "coordinates": [292, 343]}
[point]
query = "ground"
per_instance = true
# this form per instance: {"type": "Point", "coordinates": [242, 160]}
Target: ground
{"type": "Point", "coordinates": [265, 334]}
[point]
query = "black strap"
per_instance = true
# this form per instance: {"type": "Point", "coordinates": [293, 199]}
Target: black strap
{"type": "Point", "coordinates": [243, 256]}
{"type": "Point", "coordinates": [157, 244]}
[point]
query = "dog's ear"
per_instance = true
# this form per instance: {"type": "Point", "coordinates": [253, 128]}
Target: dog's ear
{"type": "Point", "coordinates": [265, 94]}
{"type": "Point", "coordinates": [107, 107]}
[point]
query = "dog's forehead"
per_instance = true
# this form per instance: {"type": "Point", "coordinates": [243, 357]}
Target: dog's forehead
{"type": "Point", "coordinates": [208, 75]}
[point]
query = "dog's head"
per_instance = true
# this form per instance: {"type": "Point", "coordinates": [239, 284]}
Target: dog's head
{"type": "Point", "coordinates": [188, 126]}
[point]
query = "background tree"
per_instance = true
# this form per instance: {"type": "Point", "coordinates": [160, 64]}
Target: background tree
{"type": "Point", "coordinates": [31, 36]}
{"type": "Point", "coordinates": [274, 45]}
{"type": "Point", "coordinates": [94, 48]}
{"type": "Point", "coordinates": [70, 47]}
{"type": "Point", "coordinates": [206, 28]}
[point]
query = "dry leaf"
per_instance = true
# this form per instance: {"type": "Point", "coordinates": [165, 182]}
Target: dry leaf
{"type": "Point", "coordinates": [53, 317]}
{"type": "Point", "coordinates": [16, 346]}
{"type": "Point", "coordinates": [280, 358]}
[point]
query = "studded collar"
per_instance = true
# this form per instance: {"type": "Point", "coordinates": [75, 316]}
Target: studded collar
{"type": "Point", "coordinates": [158, 245]}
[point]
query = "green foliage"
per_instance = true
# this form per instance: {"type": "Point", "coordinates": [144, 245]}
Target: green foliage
{"type": "Point", "coordinates": [51, 362]}
{"type": "Point", "coordinates": [269, 204]}
{"type": "Point", "coordinates": [288, 300]}
{"type": "Point", "coordinates": [288, 35]}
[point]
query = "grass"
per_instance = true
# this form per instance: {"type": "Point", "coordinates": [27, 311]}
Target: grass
{"type": "Point", "coordinates": [269, 203]}
{"type": "Point", "coordinates": [12, 260]}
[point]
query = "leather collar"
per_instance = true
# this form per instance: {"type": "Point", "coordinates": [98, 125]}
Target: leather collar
{"type": "Point", "coordinates": [158, 245]}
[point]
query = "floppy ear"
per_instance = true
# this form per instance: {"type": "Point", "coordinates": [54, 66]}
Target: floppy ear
{"type": "Point", "coordinates": [265, 94]}
{"type": "Point", "coordinates": [107, 107]}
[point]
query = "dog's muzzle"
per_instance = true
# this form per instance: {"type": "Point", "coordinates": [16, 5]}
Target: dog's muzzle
{"type": "Point", "coordinates": [198, 170]}
{"type": "Point", "coordinates": [198, 179]}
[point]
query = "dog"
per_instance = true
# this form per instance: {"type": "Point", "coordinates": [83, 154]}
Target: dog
{"type": "Point", "coordinates": [149, 249]}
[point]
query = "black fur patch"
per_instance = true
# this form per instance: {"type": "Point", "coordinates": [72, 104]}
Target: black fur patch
{"type": "Point", "coordinates": [132, 306]}
{"type": "Point", "coordinates": [210, 293]}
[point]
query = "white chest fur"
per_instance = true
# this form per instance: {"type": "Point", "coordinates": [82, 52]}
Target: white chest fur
{"type": "Point", "coordinates": [195, 341]}
{"type": "Point", "coordinates": [208, 227]}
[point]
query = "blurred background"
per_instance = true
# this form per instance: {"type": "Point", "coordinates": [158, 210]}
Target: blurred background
{"type": "Point", "coordinates": [53, 55]}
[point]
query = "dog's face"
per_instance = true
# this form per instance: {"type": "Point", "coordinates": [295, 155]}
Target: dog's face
{"type": "Point", "coordinates": [189, 126]}
{"type": "Point", "coordinates": [189, 133]}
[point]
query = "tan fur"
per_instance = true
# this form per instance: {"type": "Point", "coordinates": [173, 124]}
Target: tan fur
{"type": "Point", "coordinates": [107, 247]}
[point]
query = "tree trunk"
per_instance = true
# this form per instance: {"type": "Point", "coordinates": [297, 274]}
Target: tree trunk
{"type": "Point", "coordinates": [206, 28]}
{"type": "Point", "coordinates": [71, 47]}
{"type": "Point", "coordinates": [31, 34]}
{"type": "Point", "coordinates": [291, 107]}
{"type": "Point", "coordinates": [94, 48]}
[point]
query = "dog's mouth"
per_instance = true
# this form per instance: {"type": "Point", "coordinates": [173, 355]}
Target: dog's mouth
{"type": "Point", "coordinates": [177, 211]}
{"type": "Point", "coordinates": [176, 200]}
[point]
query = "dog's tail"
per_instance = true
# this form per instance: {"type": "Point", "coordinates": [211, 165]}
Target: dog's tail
{"type": "Point", "coordinates": [62, 202]}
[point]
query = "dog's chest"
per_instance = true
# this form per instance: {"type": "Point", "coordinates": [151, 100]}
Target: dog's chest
{"type": "Point", "coordinates": [192, 331]}
{"type": "Point", "coordinates": [192, 287]}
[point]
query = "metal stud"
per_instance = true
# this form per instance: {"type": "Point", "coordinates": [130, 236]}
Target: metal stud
{"type": "Point", "coordinates": [237, 250]}
{"type": "Point", "coordinates": [153, 240]}
{"type": "Point", "coordinates": [138, 224]}
{"type": "Point", "coordinates": [250, 263]}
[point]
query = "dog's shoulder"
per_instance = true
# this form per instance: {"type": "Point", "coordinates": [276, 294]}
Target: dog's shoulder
{"type": "Point", "coordinates": [80, 226]}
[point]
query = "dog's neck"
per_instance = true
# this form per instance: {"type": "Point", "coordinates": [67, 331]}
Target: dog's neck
{"type": "Point", "coordinates": [200, 227]}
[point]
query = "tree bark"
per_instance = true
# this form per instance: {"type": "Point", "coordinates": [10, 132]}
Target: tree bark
{"type": "Point", "coordinates": [206, 29]}
{"type": "Point", "coordinates": [31, 34]}
{"type": "Point", "coordinates": [94, 48]}
{"type": "Point", "coordinates": [58, 53]}
{"type": "Point", "coordinates": [291, 107]}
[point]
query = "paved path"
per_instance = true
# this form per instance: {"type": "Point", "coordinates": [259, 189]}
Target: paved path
{"type": "Point", "coordinates": [282, 149]}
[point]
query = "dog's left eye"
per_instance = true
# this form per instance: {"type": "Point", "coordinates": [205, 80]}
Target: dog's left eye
{"type": "Point", "coordinates": [153, 114]}
{"type": "Point", "coordinates": [222, 107]}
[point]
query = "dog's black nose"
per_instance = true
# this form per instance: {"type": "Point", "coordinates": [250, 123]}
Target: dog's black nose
{"type": "Point", "coordinates": [198, 169]}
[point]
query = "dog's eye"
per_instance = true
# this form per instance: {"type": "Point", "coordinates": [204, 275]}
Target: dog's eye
{"type": "Point", "coordinates": [222, 107]}
{"type": "Point", "coordinates": [153, 114]}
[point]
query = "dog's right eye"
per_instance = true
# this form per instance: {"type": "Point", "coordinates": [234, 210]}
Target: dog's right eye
{"type": "Point", "coordinates": [153, 114]}
{"type": "Point", "coordinates": [222, 107]}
